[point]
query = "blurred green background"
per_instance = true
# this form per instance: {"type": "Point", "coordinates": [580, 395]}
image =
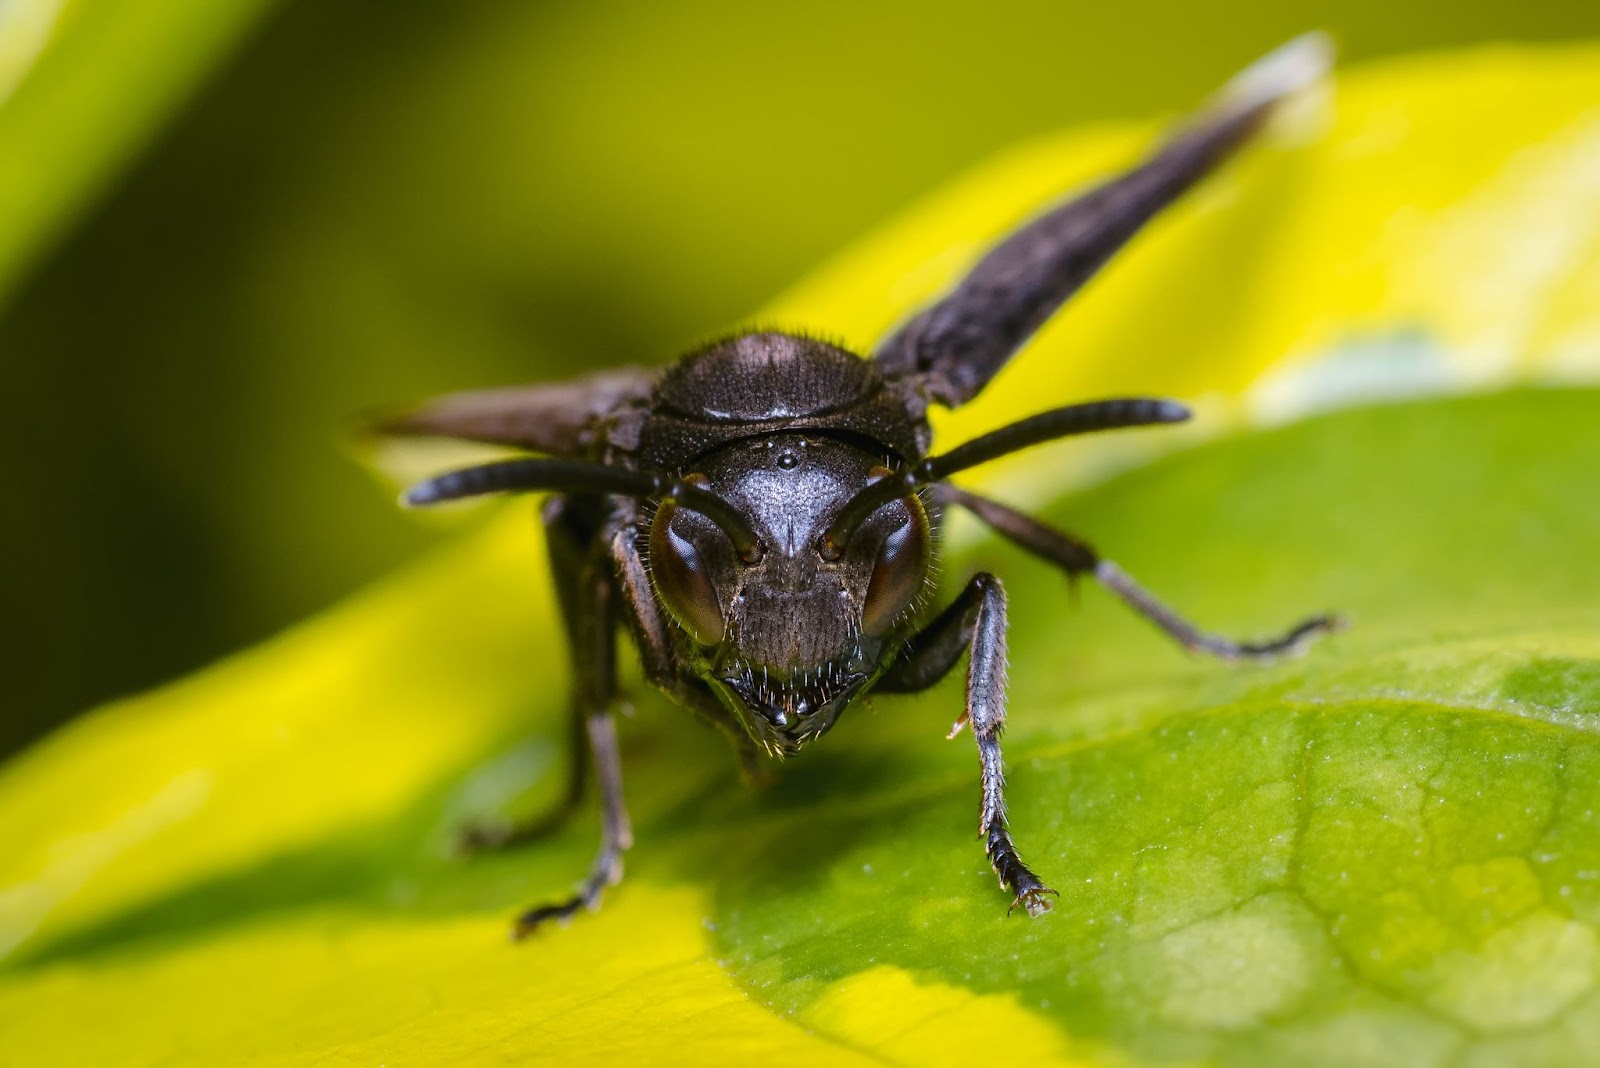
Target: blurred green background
{"type": "Point", "coordinates": [235, 224]}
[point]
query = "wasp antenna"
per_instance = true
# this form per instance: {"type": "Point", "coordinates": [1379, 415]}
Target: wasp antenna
{"type": "Point", "coordinates": [1048, 426]}
{"type": "Point", "coordinates": [532, 474]}
{"type": "Point", "coordinates": [1023, 434]}
{"type": "Point", "coordinates": [692, 494]}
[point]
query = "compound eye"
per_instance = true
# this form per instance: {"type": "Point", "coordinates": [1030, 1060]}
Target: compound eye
{"type": "Point", "coordinates": [683, 581]}
{"type": "Point", "coordinates": [899, 571]}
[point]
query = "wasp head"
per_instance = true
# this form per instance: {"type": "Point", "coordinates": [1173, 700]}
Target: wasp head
{"type": "Point", "coordinates": [786, 635]}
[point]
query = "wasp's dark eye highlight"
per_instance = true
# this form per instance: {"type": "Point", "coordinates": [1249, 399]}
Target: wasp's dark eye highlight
{"type": "Point", "coordinates": [683, 581]}
{"type": "Point", "coordinates": [899, 571]}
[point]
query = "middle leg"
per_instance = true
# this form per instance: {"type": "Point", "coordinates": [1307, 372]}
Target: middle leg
{"type": "Point", "coordinates": [568, 533]}
{"type": "Point", "coordinates": [1076, 558]}
{"type": "Point", "coordinates": [589, 602]}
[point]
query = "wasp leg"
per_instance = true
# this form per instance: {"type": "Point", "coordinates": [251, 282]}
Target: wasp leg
{"type": "Point", "coordinates": [1076, 558]}
{"type": "Point", "coordinates": [653, 639]}
{"type": "Point", "coordinates": [587, 594]}
{"type": "Point", "coordinates": [975, 623]}
{"type": "Point", "coordinates": [567, 534]}
{"type": "Point", "coordinates": [951, 349]}
{"type": "Point", "coordinates": [616, 834]}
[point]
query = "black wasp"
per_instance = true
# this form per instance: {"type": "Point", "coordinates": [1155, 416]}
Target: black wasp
{"type": "Point", "coordinates": [763, 515]}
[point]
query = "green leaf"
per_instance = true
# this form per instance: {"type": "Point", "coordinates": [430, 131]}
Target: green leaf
{"type": "Point", "coordinates": [1390, 842]}
{"type": "Point", "coordinates": [1384, 851]}
{"type": "Point", "coordinates": [1387, 845]}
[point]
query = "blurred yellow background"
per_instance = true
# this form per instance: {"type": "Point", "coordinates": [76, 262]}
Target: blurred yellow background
{"type": "Point", "coordinates": [342, 204]}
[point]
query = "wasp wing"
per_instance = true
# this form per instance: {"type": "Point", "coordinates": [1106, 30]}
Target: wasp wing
{"type": "Point", "coordinates": [556, 418]}
{"type": "Point", "coordinates": [954, 347]}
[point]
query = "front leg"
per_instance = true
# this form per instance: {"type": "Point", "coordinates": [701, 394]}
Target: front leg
{"type": "Point", "coordinates": [975, 623]}
{"type": "Point", "coordinates": [653, 637]}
